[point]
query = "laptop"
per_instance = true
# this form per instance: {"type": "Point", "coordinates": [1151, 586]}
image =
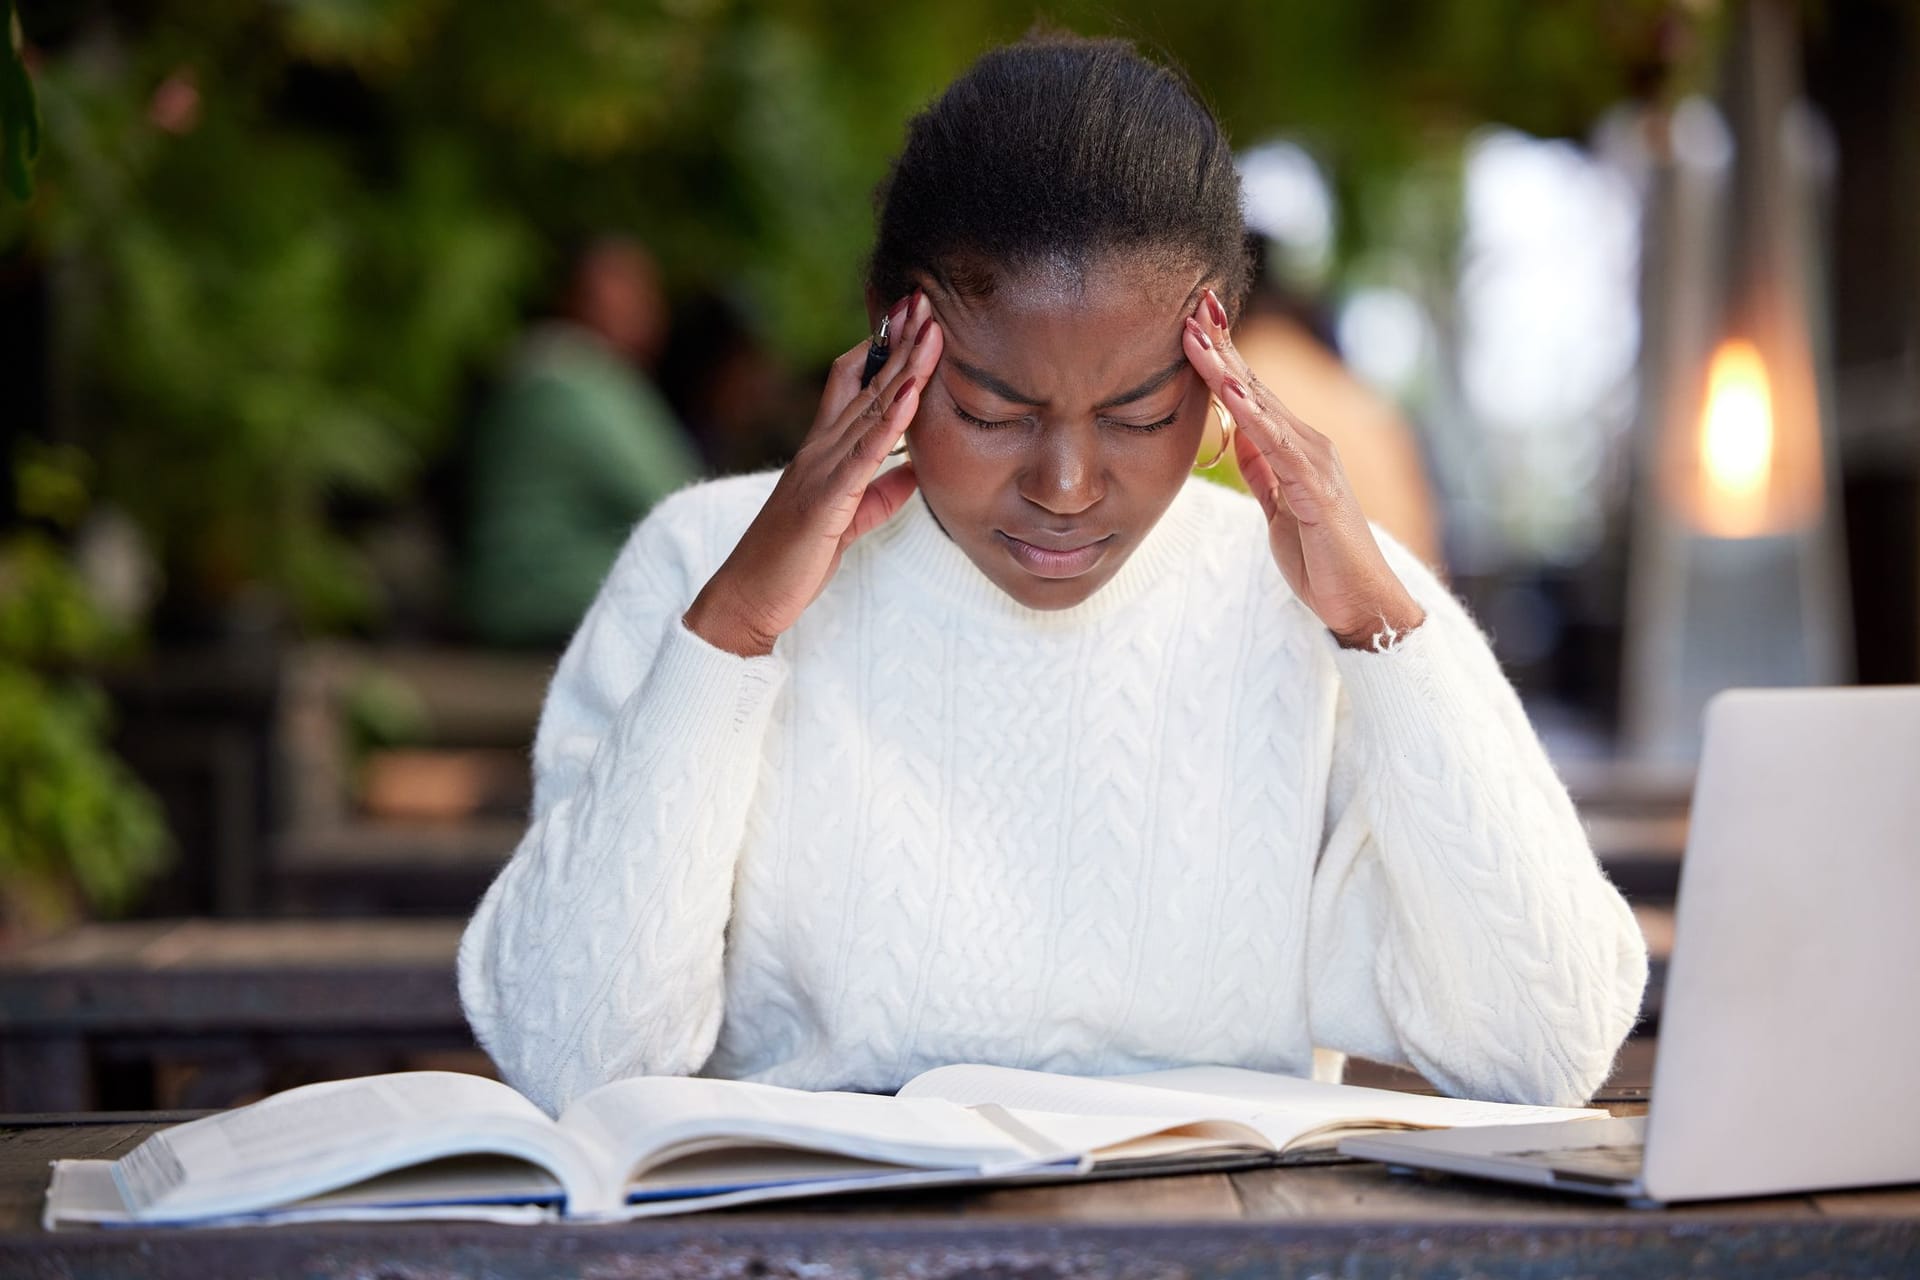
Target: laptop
{"type": "Point", "coordinates": [1791, 1019]}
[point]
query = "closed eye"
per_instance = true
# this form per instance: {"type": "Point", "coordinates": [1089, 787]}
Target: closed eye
{"type": "Point", "coordinates": [970, 420]}
{"type": "Point", "coordinates": [993, 424]}
{"type": "Point", "coordinates": [1165, 422]}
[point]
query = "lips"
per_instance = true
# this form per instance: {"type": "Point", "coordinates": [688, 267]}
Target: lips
{"type": "Point", "coordinates": [1056, 555]}
{"type": "Point", "coordinates": [1058, 541]}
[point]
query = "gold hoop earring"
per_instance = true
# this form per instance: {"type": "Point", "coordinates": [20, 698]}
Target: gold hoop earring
{"type": "Point", "coordinates": [1226, 433]}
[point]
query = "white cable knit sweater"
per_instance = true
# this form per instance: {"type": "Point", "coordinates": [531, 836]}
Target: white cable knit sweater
{"type": "Point", "coordinates": [1176, 823]}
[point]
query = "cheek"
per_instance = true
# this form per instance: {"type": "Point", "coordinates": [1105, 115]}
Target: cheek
{"type": "Point", "coordinates": [1161, 458]}
{"type": "Point", "coordinates": [964, 465]}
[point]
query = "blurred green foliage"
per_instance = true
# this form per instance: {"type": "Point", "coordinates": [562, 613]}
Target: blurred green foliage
{"type": "Point", "coordinates": [283, 234]}
{"type": "Point", "coordinates": [79, 830]}
{"type": "Point", "coordinates": [19, 113]}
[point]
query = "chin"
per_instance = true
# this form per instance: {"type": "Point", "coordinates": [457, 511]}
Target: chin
{"type": "Point", "coordinates": [1049, 594]}
{"type": "Point", "coordinates": [1047, 597]}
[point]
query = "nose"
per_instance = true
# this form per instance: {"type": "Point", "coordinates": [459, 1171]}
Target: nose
{"type": "Point", "coordinates": [1066, 474]}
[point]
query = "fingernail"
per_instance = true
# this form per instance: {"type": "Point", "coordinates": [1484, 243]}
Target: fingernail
{"type": "Point", "coordinates": [1233, 385]}
{"type": "Point", "coordinates": [1218, 312]}
{"type": "Point", "coordinates": [1193, 327]}
{"type": "Point", "coordinates": [921, 336]}
{"type": "Point", "coordinates": [901, 394]}
{"type": "Point", "coordinates": [897, 313]}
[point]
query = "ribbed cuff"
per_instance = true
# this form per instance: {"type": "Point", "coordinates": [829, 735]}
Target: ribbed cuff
{"type": "Point", "coordinates": [1403, 704]}
{"type": "Point", "coordinates": [703, 698]}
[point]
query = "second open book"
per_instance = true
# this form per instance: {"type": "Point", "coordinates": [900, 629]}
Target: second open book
{"type": "Point", "coordinates": [441, 1144]}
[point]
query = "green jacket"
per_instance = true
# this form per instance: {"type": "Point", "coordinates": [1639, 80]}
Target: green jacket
{"type": "Point", "coordinates": [574, 448]}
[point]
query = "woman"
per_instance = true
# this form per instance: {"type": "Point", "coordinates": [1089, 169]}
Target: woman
{"type": "Point", "coordinates": [1034, 749]}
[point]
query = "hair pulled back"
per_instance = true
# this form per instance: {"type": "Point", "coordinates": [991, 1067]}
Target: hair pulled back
{"type": "Point", "coordinates": [1060, 150]}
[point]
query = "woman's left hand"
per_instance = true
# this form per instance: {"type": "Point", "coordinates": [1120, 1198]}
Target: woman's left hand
{"type": "Point", "coordinates": [1320, 537]}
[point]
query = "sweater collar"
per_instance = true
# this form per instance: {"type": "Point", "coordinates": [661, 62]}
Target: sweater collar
{"type": "Point", "coordinates": [913, 545]}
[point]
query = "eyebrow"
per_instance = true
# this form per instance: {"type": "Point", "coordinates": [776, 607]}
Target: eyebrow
{"type": "Point", "coordinates": [980, 376]}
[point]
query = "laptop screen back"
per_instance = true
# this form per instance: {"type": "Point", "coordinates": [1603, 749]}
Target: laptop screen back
{"type": "Point", "coordinates": [1791, 1022]}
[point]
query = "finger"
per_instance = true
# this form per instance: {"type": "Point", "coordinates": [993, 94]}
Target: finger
{"type": "Point", "coordinates": [1264, 485]}
{"type": "Point", "coordinates": [843, 381]}
{"type": "Point", "coordinates": [1225, 374]}
{"type": "Point", "coordinates": [843, 384]}
{"type": "Point", "coordinates": [1261, 482]}
{"type": "Point", "coordinates": [1209, 350]}
{"type": "Point", "coordinates": [1220, 359]}
{"type": "Point", "coordinates": [911, 359]}
{"type": "Point", "coordinates": [1294, 458]}
{"type": "Point", "coordinates": [886, 495]}
{"type": "Point", "coordinates": [867, 446]}
{"type": "Point", "coordinates": [1210, 315]}
{"type": "Point", "coordinates": [1308, 484]}
{"type": "Point", "coordinates": [908, 326]}
{"type": "Point", "coordinates": [907, 323]}
{"type": "Point", "coordinates": [1296, 478]}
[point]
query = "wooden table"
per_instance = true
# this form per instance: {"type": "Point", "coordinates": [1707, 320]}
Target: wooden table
{"type": "Point", "coordinates": [1345, 1220]}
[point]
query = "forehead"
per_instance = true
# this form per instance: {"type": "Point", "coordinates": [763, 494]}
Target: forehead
{"type": "Point", "coordinates": [1068, 333]}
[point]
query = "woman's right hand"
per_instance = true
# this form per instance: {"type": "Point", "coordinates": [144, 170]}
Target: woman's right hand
{"type": "Point", "coordinates": [829, 495]}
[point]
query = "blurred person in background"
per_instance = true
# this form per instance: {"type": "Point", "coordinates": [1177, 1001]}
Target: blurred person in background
{"type": "Point", "coordinates": [1288, 345]}
{"type": "Point", "coordinates": [738, 402]}
{"type": "Point", "coordinates": [575, 446]}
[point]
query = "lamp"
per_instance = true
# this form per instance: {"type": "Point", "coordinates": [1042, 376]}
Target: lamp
{"type": "Point", "coordinates": [1736, 573]}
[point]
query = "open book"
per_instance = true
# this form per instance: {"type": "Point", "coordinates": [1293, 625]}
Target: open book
{"type": "Point", "coordinates": [442, 1144]}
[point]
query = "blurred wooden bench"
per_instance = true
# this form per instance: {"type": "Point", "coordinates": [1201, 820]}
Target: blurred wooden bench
{"type": "Point", "coordinates": [225, 1005]}
{"type": "Point", "coordinates": [1636, 817]}
{"type": "Point", "coordinates": [413, 827]}
{"type": "Point", "coordinates": [421, 828]}
{"type": "Point", "coordinates": [391, 867]}
{"type": "Point", "coordinates": [99, 1015]}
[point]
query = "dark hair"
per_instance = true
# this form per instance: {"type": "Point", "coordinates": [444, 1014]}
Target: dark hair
{"type": "Point", "coordinates": [1059, 147]}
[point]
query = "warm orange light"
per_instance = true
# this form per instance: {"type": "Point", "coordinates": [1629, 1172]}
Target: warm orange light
{"type": "Point", "coordinates": [1736, 443]}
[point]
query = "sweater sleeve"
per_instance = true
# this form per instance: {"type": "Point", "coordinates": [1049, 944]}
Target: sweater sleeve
{"type": "Point", "coordinates": [1460, 923]}
{"type": "Point", "coordinates": [597, 951]}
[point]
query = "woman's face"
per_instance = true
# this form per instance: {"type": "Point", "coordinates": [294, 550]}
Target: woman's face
{"type": "Point", "coordinates": [1062, 419]}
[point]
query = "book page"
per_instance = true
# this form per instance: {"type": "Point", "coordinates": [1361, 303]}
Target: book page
{"type": "Point", "coordinates": [1081, 1112]}
{"type": "Point", "coordinates": [970, 1084]}
{"type": "Point", "coordinates": [83, 1193]}
{"type": "Point", "coordinates": [738, 1168]}
{"type": "Point", "coordinates": [321, 1137]}
{"type": "Point", "coordinates": [1105, 1135]}
{"type": "Point", "coordinates": [1298, 1095]}
{"type": "Point", "coordinates": [875, 1178]}
{"type": "Point", "coordinates": [459, 1180]}
{"type": "Point", "coordinates": [647, 1121]}
{"type": "Point", "coordinates": [1282, 1109]}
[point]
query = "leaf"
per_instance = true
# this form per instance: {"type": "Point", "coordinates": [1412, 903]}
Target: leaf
{"type": "Point", "coordinates": [19, 113]}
